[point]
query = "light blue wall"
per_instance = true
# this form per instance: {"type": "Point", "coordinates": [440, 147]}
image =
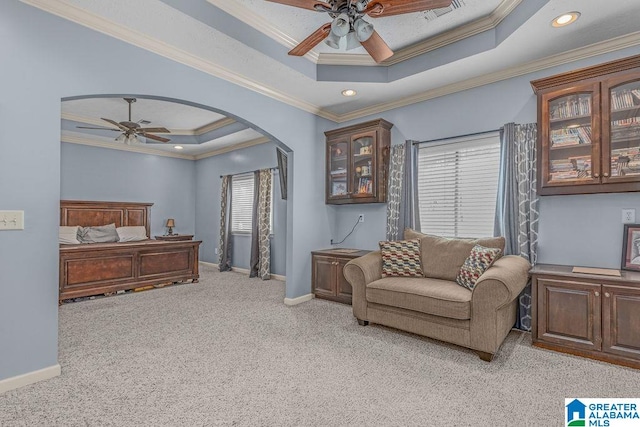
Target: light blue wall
{"type": "Point", "coordinates": [52, 59]}
{"type": "Point", "coordinates": [208, 205]}
{"type": "Point", "coordinates": [581, 229]}
{"type": "Point", "coordinates": [93, 173]}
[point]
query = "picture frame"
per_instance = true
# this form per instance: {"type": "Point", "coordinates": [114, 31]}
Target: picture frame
{"type": "Point", "coordinates": [631, 247]}
{"type": "Point", "coordinates": [282, 171]}
{"type": "Point", "coordinates": [339, 189]}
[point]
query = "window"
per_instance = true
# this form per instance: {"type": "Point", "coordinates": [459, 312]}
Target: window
{"type": "Point", "coordinates": [458, 185]}
{"type": "Point", "coordinates": [242, 204]}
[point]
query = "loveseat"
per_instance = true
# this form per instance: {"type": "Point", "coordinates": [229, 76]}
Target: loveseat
{"type": "Point", "coordinates": [435, 305]}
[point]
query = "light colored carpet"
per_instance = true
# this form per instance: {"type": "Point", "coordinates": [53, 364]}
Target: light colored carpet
{"type": "Point", "coordinates": [227, 351]}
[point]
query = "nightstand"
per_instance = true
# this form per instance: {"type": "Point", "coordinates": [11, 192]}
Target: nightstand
{"type": "Point", "coordinates": [175, 237]}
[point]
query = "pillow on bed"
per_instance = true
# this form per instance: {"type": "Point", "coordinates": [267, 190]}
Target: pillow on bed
{"type": "Point", "coordinates": [68, 235]}
{"type": "Point", "coordinates": [102, 234]}
{"type": "Point", "coordinates": [131, 234]}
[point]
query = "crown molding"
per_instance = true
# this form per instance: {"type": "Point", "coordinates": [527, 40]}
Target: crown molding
{"type": "Point", "coordinates": [214, 125]}
{"type": "Point", "coordinates": [239, 146]}
{"type": "Point", "coordinates": [96, 141]}
{"type": "Point", "coordinates": [578, 54]}
{"type": "Point", "coordinates": [198, 131]}
{"type": "Point", "coordinates": [136, 38]}
{"type": "Point", "coordinates": [261, 24]}
{"type": "Point", "coordinates": [481, 25]}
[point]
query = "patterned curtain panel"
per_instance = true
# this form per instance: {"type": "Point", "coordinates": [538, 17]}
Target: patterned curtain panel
{"type": "Point", "coordinates": [224, 262]}
{"type": "Point", "coordinates": [409, 209]}
{"type": "Point", "coordinates": [261, 253]}
{"type": "Point", "coordinates": [395, 191]}
{"type": "Point", "coordinates": [517, 203]}
{"type": "Point", "coordinates": [254, 256]}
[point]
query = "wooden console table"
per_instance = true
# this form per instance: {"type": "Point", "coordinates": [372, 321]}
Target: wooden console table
{"type": "Point", "coordinates": [587, 315]}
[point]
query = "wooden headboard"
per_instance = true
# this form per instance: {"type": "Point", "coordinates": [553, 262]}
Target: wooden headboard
{"type": "Point", "coordinates": [87, 213]}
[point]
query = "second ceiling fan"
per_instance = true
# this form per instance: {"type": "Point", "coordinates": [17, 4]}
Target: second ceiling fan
{"type": "Point", "coordinates": [348, 21]}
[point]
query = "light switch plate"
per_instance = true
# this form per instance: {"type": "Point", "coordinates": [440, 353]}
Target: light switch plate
{"type": "Point", "coordinates": [628, 216]}
{"type": "Point", "coordinates": [11, 220]}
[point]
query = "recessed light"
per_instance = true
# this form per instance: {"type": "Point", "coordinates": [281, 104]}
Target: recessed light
{"type": "Point", "coordinates": [349, 92]}
{"type": "Point", "coordinates": [178, 147]}
{"type": "Point", "coordinates": [565, 19]}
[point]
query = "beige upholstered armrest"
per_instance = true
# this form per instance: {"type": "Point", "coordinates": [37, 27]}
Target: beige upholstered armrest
{"type": "Point", "coordinates": [501, 283]}
{"type": "Point", "coordinates": [359, 272]}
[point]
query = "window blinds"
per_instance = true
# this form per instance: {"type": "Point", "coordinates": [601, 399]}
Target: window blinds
{"type": "Point", "coordinates": [241, 203]}
{"type": "Point", "coordinates": [457, 186]}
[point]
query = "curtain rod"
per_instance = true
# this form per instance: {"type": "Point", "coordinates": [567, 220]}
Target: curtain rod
{"type": "Point", "coordinates": [240, 173]}
{"type": "Point", "coordinates": [456, 137]}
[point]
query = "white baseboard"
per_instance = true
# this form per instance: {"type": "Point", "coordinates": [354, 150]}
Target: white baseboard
{"type": "Point", "coordinates": [298, 300]}
{"type": "Point", "coordinates": [244, 271]}
{"type": "Point", "coordinates": [29, 378]}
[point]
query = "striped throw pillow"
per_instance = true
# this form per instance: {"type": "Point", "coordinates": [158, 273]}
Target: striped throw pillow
{"type": "Point", "coordinates": [401, 258]}
{"type": "Point", "coordinates": [477, 263]}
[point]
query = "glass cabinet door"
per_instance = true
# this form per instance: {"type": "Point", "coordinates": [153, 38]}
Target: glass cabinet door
{"type": "Point", "coordinates": [363, 166]}
{"type": "Point", "coordinates": [571, 153]}
{"type": "Point", "coordinates": [621, 130]}
{"type": "Point", "coordinates": [338, 159]}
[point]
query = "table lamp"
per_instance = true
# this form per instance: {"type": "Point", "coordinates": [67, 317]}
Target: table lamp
{"type": "Point", "coordinates": [171, 223]}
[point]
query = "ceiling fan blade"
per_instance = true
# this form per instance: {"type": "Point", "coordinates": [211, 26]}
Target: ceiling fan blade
{"type": "Point", "coordinates": [305, 4]}
{"type": "Point", "coordinates": [116, 124]}
{"type": "Point", "coordinates": [310, 42]}
{"type": "Point", "coordinates": [87, 127]}
{"type": "Point", "coordinates": [154, 130]}
{"type": "Point", "coordinates": [155, 137]}
{"type": "Point", "coordinates": [380, 8]}
{"type": "Point", "coordinates": [377, 48]}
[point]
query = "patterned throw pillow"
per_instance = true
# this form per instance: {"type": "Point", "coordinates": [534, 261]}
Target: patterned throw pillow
{"type": "Point", "coordinates": [401, 258]}
{"type": "Point", "coordinates": [477, 263]}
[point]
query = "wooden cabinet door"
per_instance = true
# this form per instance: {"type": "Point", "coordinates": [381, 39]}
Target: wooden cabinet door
{"type": "Point", "coordinates": [343, 288]}
{"type": "Point", "coordinates": [324, 283]}
{"type": "Point", "coordinates": [570, 137]}
{"type": "Point", "coordinates": [621, 320]}
{"type": "Point", "coordinates": [569, 313]}
{"type": "Point", "coordinates": [338, 184]}
{"type": "Point", "coordinates": [364, 167]}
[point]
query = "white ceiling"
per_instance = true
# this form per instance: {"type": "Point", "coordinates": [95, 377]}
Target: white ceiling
{"type": "Point", "coordinates": [532, 45]}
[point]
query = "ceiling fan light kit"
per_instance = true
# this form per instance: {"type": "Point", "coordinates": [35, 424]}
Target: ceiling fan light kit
{"type": "Point", "coordinates": [347, 21]}
{"type": "Point", "coordinates": [132, 132]}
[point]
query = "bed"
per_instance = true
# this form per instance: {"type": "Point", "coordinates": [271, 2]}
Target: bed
{"type": "Point", "coordinates": [99, 268]}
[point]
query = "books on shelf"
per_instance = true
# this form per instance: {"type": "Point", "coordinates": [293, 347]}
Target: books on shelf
{"type": "Point", "coordinates": [365, 185]}
{"type": "Point", "coordinates": [577, 167]}
{"type": "Point", "coordinates": [573, 107]}
{"type": "Point", "coordinates": [571, 136]}
{"type": "Point", "coordinates": [625, 161]}
{"type": "Point", "coordinates": [625, 98]}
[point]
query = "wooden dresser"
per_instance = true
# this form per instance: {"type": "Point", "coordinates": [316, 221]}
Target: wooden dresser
{"type": "Point", "coordinates": [327, 279]}
{"type": "Point", "coordinates": [587, 315]}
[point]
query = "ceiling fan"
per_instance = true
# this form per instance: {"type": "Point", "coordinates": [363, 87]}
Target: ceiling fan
{"type": "Point", "coordinates": [131, 130]}
{"type": "Point", "coordinates": [348, 21]}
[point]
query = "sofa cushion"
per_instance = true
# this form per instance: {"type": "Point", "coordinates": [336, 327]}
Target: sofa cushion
{"type": "Point", "coordinates": [431, 296]}
{"type": "Point", "coordinates": [442, 257]}
{"type": "Point", "coordinates": [401, 258]}
{"type": "Point", "coordinates": [479, 260]}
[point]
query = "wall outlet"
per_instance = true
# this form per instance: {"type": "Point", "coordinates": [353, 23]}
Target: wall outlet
{"type": "Point", "coordinates": [361, 218]}
{"type": "Point", "coordinates": [628, 216]}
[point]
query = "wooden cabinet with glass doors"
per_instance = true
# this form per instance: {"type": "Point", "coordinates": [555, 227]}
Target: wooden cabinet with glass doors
{"type": "Point", "coordinates": [589, 129]}
{"type": "Point", "coordinates": [358, 163]}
